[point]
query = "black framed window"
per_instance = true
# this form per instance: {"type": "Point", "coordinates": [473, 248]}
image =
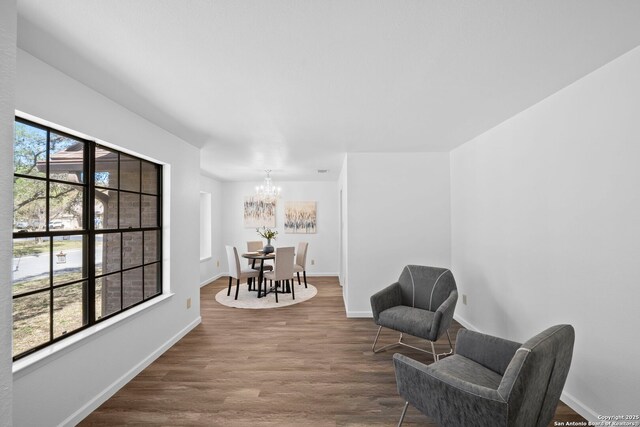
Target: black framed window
{"type": "Point", "coordinates": [87, 241]}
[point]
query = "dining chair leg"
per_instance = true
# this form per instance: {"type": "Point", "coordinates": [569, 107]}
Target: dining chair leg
{"type": "Point", "coordinates": [298, 273]}
{"type": "Point", "coordinates": [237, 287]}
{"type": "Point", "coordinates": [293, 290]}
{"type": "Point", "coordinates": [229, 290]}
{"type": "Point", "coordinates": [276, 291]}
{"type": "Point", "coordinates": [304, 273]}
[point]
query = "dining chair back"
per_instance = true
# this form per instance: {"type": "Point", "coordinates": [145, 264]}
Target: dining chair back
{"type": "Point", "coordinates": [301, 262]}
{"type": "Point", "coordinates": [235, 271]}
{"type": "Point", "coordinates": [233, 261]}
{"type": "Point", "coordinates": [255, 246]}
{"type": "Point", "coordinates": [283, 270]}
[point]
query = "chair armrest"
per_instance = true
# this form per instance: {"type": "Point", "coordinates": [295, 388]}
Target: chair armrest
{"type": "Point", "coordinates": [384, 299]}
{"type": "Point", "coordinates": [489, 351]}
{"type": "Point", "coordinates": [444, 315]}
{"type": "Point", "coordinates": [447, 399]}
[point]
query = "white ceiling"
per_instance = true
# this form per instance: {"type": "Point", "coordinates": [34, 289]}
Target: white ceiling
{"type": "Point", "coordinates": [291, 85]}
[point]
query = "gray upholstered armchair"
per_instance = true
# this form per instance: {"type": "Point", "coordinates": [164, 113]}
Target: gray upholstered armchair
{"type": "Point", "coordinates": [420, 303]}
{"type": "Point", "coordinates": [490, 381]}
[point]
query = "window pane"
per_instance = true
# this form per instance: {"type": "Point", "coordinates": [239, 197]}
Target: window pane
{"type": "Point", "coordinates": [149, 211]}
{"type": "Point", "coordinates": [151, 250]}
{"type": "Point", "coordinates": [132, 285]}
{"type": "Point", "coordinates": [29, 150]}
{"type": "Point", "coordinates": [68, 259]}
{"type": "Point", "coordinates": [66, 158]}
{"type": "Point", "coordinates": [65, 206]}
{"type": "Point", "coordinates": [107, 253]}
{"type": "Point", "coordinates": [149, 178]}
{"type": "Point", "coordinates": [131, 249]}
{"type": "Point", "coordinates": [30, 321]}
{"type": "Point", "coordinates": [29, 204]}
{"type": "Point", "coordinates": [129, 173]}
{"type": "Point", "coordinates": [106, 174]}
{"type": "Point", "coordinates": [129, 210]}
{"type": "Point", "coordinates": [68, 314]}
{"type": "Point", "coordinates": [106, 209]}
{"type": "Point", "coordinates": [30, 264]}
{"type": "Point", "coordinates": [108, 292]}
{"type": "Point", "coordinates": [151, 280]}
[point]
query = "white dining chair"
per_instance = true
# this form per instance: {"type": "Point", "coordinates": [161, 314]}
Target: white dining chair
{"type": "Point", "coordinates": [283, 271]}
{"type": "Point", "coordinates": [236, 272]}
{"type": "Point", "coordinates": [255, 246]}
{"type": "Point", "coordinates": [301, 262]}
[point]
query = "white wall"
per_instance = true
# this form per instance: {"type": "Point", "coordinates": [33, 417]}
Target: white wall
{"type": "Point", "coordinates": [344, 227]}
{"type": "Point", "coordinates": [546, 230]}
{"type": "Point", "coordinates": [323, 245]}
{"type": "Point", "coordinates": [7, 100]}
{"type": "Point", "coordinates": [398, 214]}
{"type": "Point", "coordinates": [66, 386]}
{"type": "Point", "coordinates": [211, 269]}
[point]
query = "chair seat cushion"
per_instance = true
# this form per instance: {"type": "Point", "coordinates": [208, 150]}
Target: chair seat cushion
{"type": "Point", "coordinates": [249, 272]}
{"type": "Point", "coordinates": [409, 320]}
{"type": "Point", "coordinates": [469, 371]}
{"type": "Point", "coordinates": [298, 268]}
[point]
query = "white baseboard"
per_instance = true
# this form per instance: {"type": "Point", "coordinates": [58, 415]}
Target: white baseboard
{"type": "Point", "coordinates": [217, 276]}
{"type": "Point", "coordinates": [579, 407]}
{"type": "Point", "coordinates": [465, 323]}
{"type": "Point", "coordinates": [212, 278]}
{"type": "Point", "coordinates": [366, 313]}
{"type": "Point", "coordinates": [320, 274]}
{"type": "Point", "coordinates": [99, 399]}
{"type": "Point", "coordinates": [573, 403]}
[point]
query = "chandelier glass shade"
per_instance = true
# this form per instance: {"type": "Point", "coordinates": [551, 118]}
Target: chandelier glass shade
{"type": "Point", "coordinates": [267, 189]}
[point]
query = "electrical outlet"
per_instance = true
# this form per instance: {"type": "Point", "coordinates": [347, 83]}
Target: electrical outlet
{"type": "Point", "coordinates": [464, 299]}
{"type": "Point", "coordinates": [188, 303]}
{"type": "Point", "coordinates": [313, 262]}
{"type": "Point", "coordinates": [218, 263]}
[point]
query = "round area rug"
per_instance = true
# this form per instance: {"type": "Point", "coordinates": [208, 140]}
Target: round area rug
{"type": "Point", "coordinates": [249, 299]}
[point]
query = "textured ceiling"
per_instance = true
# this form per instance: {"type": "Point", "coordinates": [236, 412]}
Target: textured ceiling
{"type": "Point", "coordinates": [293, 85]}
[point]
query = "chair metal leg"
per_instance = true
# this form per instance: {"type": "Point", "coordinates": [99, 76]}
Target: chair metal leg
{"type": "Point", "coordinates": [435, 355]}
{"type": "Point", "coordinates": [395, 344]}
{"type": "Point", "coordinates": [229, 290]}
{"type": "Point", "coordinates": [404, 412]}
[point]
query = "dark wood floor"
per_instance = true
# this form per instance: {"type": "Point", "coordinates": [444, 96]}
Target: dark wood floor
{"type": "Point", "coordinates": [305, 364]}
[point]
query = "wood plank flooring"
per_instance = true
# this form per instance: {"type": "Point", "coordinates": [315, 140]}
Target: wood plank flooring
{"type": "Point", "coordinates": [305, 364]}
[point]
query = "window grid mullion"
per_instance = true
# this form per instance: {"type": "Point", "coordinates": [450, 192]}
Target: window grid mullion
{"type": "Point", "coordinates": [89, 234]}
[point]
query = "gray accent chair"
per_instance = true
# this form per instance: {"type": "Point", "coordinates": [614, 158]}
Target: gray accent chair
{"type": "Point", "coordinates": [490, 381]}
{"type": "Point", "coordinates": [421, 303]}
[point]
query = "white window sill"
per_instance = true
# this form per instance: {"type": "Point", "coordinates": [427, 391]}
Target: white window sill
{"type": "Point", "coordinates": [48, 354]}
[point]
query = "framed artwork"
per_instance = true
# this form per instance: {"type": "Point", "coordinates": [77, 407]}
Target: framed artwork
{"type": "Point", "coordinates": [259, 212]}
{"type": "Point", "coordinates": [300, 217]}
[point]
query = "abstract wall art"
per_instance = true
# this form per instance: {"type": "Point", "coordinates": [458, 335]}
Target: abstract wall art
{"type": "Point", "coordinates": [300, 217]}
{"type": "Point", "coordinates": [259, 212]}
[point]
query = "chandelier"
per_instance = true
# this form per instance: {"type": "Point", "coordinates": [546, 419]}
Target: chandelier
{"type": "Point", "coordinates": [267, 189]}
